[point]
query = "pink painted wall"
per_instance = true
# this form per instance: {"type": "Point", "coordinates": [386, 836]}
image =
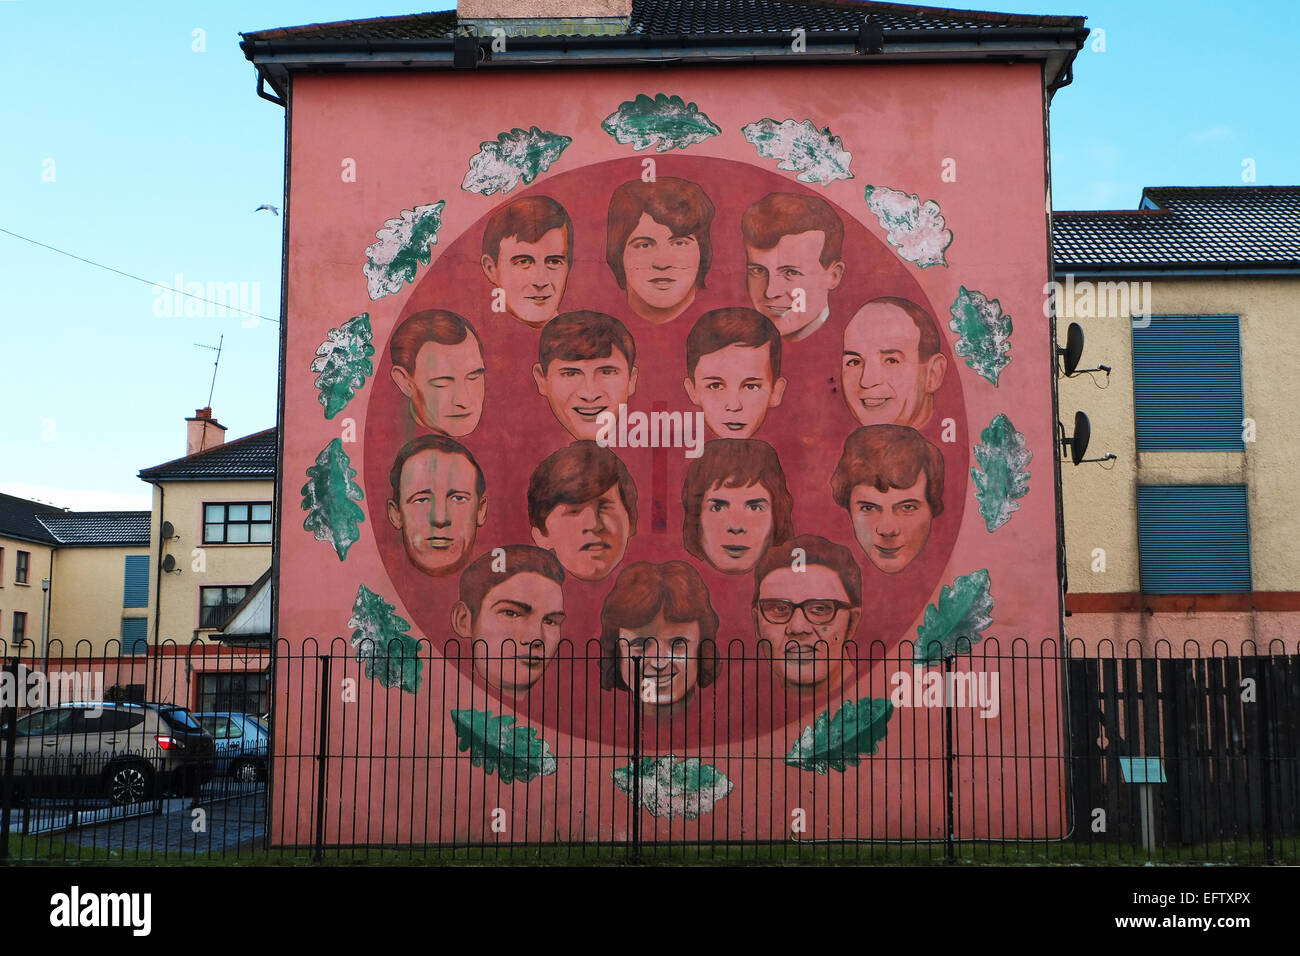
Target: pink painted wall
{"type": "Point", "coordinates": [411, 137]}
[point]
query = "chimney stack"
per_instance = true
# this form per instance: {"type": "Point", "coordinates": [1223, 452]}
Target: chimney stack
{"type": "Point", "coordinates": [543, 9]}
{"type": "Point", "coordinates": [203, 432]}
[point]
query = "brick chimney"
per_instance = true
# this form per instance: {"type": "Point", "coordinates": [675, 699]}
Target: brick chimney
{"type": "Point", "coordinates": [203, 432]}
{"type": "Point", "coordinates": [541, 9]}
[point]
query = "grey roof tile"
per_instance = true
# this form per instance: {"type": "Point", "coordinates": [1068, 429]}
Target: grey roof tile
{"type": "Point", "coordinates": [99, 527]}
{"type": "Point", "coordinates": [672, 18]}
{"type": "Point", "coordinates": [250, 457]}
{"type": "Point", "coordinates": [1246, 227]}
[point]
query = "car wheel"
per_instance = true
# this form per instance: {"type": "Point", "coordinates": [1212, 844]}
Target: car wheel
{"type": "Point", "coordinates": [246, 771]}
{"type": "Point", "coordinates": [128, 783]}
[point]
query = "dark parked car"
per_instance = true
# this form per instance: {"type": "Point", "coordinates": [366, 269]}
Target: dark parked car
{"type": "Point", "coordinates": [125, 752]}
{"type": "Point", "coordinates": [241, 744]}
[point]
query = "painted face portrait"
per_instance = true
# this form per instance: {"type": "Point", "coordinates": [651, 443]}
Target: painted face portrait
{"type": "Point", "coordinates": [438, 509]}
{"type": "Point", "coordinates": [532, 275]}
{"type": "Point", "coordinates": [805, 617]}
{"type": "Point", "coordinates": [793, 244]}
{"type": "Point", "coordinates": [736, 527]}
{"type": "Point", "coordinates": [669, 652]}
{"type": "Point", "coordinates": [446, 386]}
{"type": "Point", "coordinates": [735, 388]}
{"type": "Point", "coordinates": [586, 367]}
{"type": "Point", "coordinates": [588, 537]}
{"type": "Point", "coordinates": [892, 526]}
{"type": "Point", "coordinates": [579, 391]}
{"type": "Point", "coordinates": [658, 618]}
{"type": "Point", "coordinates": [527, 254]}
{"type": "Point", "coordinates": [661, 270]}
{"type": "Point", "coordinates": [657, 245]}
{"type": "Point", "coordinates": [735, 504]}
{"type": "Point", "coordinates": [515, 631]}
{"type": "Point", "coordinates": [890, 480]}
{"type": "Point", "coordinates": [794, 263]}
{"type": "Point", "coordinates": [891, 366]}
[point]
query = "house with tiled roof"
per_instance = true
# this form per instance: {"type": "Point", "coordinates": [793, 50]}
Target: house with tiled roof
{"type": "Point", "coordinates": [1189, 302]}
{"type": "Point", "coordinates": [210, 537]}
{"type": "Point", "coordinates": [70, 581]}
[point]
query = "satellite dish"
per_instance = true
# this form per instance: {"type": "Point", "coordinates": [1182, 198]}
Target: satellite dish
{"type": "Point", "coordinates": [168, 530]}
{"type": "Point", "coordinates": [1073, 347]}
{"type": "Point", "coordinates": [1082, 435]}
{"type": "Point", "coordinates": [169, 561]}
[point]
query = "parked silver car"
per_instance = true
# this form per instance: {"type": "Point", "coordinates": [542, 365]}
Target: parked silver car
{"type": "Point", "coordinates": [126, 752]}
{"type": "Point", "coordinates": [242, 744]}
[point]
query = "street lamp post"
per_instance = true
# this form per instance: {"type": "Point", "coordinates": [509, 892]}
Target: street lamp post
{"type": "Point", "coordinates": [45, 614]}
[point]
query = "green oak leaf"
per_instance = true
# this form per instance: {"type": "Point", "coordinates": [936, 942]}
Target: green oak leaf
{"type": "Point", "coordinates": [816, 154]}
{"type": "Point", "coordinates": [343, 361]}
{"type": "Point", "coordinates": [496, 745]}
{"type": "Point", "coordinates": [1004, 457]}
{"type": "Point", "coordinates": [518, 155]}
{"type": "Point", "coordinates": [402, 248]}
{"type": "Point", "coordinates": [834, 743]}
{"type": "Point", "coordinates": [957, 621]}
{"type": "Point", "coordinates": [382, 643]}
{"type": "Point", "coordinates": [915, 228]}
{"type": "Point", "coordinates": [674, 788]}
{"type": "Point", "coordinates": [330, 497]}
{"type": "Point", "coordinates": [985, 333]}
{"type": "Point", "coordinates": [664, 122]}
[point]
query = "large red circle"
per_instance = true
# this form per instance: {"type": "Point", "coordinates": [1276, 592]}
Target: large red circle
{"type": "Point", "coordinates": [517, 431]}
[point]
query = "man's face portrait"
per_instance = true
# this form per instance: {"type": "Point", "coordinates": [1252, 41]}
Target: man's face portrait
{"type": "Point", "coordinates": [734, 388]}
{"type": "Point", "coordinates": [736, 527]}
{"type": "Point", "coordinates": [793, 263]}
{"type": "Point", "coordinates": [532, 274]}
{"type": "Point", "coordinates": [516, 631]}
{"type": "Point", "coordinates": [806, 618]}
{"type": "Point", "coordinates": [669, 652]}
{"type": "Point", "coordinates": [884, 380]}
{"type": "Point", "coordinates": [661, 270]}
{"type": "Point", "coordinates": [438, 511]}
{"type": "Point", "coordinates": [891, 526]}
{"type": "Point", "coordinates": [445, 389]}
{"type": "Point", "coordinates": [588, 538]}
{"type": "Point", "coordinates": [580, 390]}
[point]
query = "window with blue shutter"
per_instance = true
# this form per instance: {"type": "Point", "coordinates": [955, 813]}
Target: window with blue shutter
{"type": "Point", "coordinates": [135, 635]}
{"type": "Point", "coordinates": [135, 590]}
{"type": "Point", "coordinates": [1187, 383]}
{"type": "Point", "coordinates": [1193, 539]}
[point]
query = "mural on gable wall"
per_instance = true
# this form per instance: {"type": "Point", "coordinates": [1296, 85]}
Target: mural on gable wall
{"type": "Point", "coordinates": [699, 441]}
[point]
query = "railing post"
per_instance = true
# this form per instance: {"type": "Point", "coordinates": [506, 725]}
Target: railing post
{"type": "Point", "coordinates": [322, 754]}
{"type": "Point", "coordinates": [8, 717]}
{"type": "Point", "coordinates": [1265, 702]}
{"type": "Point", "coordinates": [949, 821]}
{"type": "Point", "coordinates": [636, 759]}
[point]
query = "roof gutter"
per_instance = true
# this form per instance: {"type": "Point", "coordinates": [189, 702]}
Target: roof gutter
{"type": "Point", "coordinates": [276, 59]}
{"type": "Point", "coordinates": [1178, 271]}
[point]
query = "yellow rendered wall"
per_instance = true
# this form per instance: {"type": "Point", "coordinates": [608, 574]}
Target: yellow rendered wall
{"type": "Point", "coordinates": [22, 597]}
{"type": "Point", "coordinates": [86, 609]}
{"type": "Point", "coordinates": [1100, 503]}
{"type": "Point", "coordinates": [181, 503]}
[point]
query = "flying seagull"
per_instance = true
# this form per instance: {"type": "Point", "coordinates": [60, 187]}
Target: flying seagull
{"type": "Point", "coordinates": [266, 206]}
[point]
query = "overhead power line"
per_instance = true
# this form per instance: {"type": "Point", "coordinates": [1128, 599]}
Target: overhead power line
{"type": "Point", "coordinates": [149, 282]}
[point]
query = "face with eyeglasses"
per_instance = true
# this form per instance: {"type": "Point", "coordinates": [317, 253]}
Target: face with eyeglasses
{"type": "Point", "coordinates": [805, 617]}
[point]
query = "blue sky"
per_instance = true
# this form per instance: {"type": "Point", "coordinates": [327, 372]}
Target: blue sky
{"type": "Point", "coordinates": [124, 144]}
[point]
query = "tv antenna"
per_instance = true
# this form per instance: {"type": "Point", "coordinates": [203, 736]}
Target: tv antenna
{"type": "Point", "coordinates": [214, 348]}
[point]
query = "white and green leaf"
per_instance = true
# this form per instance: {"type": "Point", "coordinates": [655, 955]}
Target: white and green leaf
{"type": "Point", "coordinates": [402, 248]}
{"type": "Point", "coordinates": [915, 228]}
{"type": "Point", "coordinates": [817, 155]}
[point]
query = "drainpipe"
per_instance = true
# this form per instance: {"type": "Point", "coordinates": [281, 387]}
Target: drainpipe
{"type": "Point", "coordinates": [157, 593]}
